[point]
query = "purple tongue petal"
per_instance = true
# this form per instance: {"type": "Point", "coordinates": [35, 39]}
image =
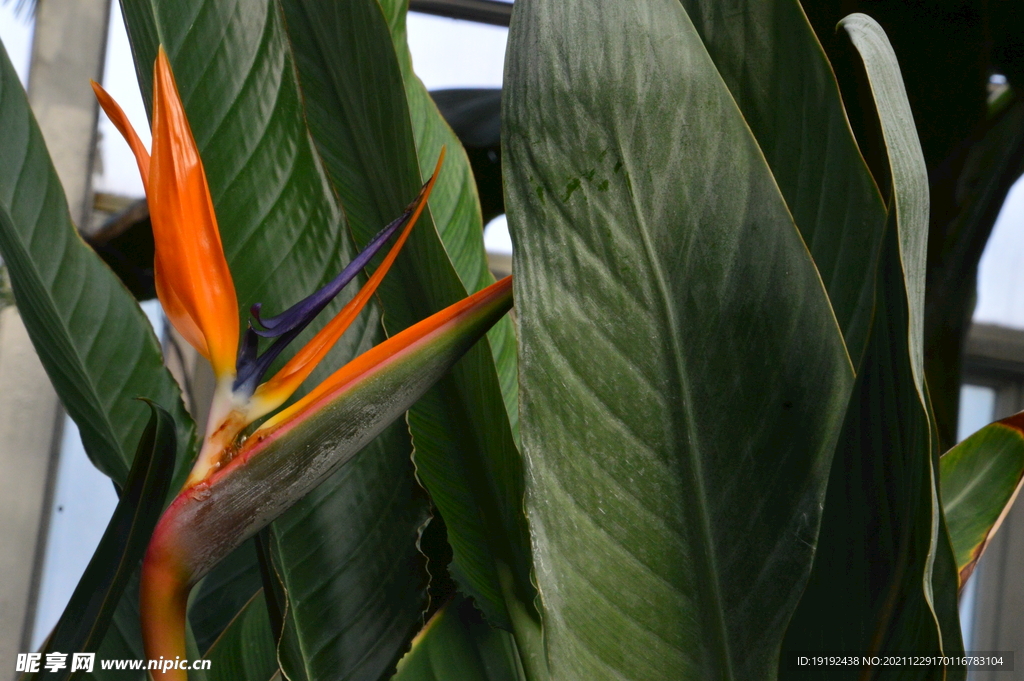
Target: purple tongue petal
{"type": "Point", "coordinates": [252, 374]}
{"type": "Point", "coordinates": [302, 313]}
{"type": "Point", "coordinates": [250, 368]}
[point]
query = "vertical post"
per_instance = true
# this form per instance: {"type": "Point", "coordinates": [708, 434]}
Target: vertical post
{"type": "Point", "coordinates": [69, 47]}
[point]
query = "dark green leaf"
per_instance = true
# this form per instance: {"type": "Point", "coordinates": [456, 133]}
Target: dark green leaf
{"type": "Point", "coordinates": [222, 594]}
{"type": "Point", "coordinates": [464, 448]}
{"type": "Point", "coordinates": [866, 594]}
{"type": "Point", "coordinates": [683, 378]}
{"type": "Point", "coordinates": [93, 339]}
{"type": "Point", "coordinates": [123, 640]}
{"type": "Point", "coordinates": [910, 208]}
{"type": "Point", "coordinates": [980, 479]}
{"type": "Point", "coordinates": [351, 610]}
{"type": "Point", "coordinates": [84, 623]}
{"type": "Point", "coordinates": [246, 650]}
{"type": "Point", "coordinates": [458, 645]}
{"type": "Point", "coordinates": [781, 80]}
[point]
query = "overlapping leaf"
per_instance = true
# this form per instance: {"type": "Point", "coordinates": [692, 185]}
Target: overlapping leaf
{"type": "Point", "coordinates": [683, 377]}
{"type": "Point", "coordinates": [454, 205]}
{"type": "Point", "coordinates": [980, 479]}
{"type": "Point", "coordinates": [779, 76]}
{"type": "Point", "coordinates": [246, 650]}
{"type": "Point", "coordinates": [883, 546]}
{"type": "Point", "coordinates": [93, 339]}
{"type": "Point", "coordinates": [465, 451]}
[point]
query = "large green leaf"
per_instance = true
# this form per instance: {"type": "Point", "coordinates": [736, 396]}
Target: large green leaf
{"type": "Point", "coordinates": [91, 335]}
{"type": "Point", "coordinates": [779, 76]}
{"type": "Point", "coordinates": [465, 452]}
{"type": "Point", "coordinates": [683, 379]}
{"type": "Point", "coordinates": [980, 479]}
{"type": "Point", "coordinates": [457, 645]}
{"type": "Point", "coordinates": [284, 235]}
{"type": "Point", "coordinates": [883, 547]}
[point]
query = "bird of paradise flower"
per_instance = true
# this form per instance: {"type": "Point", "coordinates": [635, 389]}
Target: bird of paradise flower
{"type": "Point", "coordinates": [237, 486]}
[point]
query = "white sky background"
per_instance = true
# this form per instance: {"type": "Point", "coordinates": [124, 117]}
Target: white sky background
{"type": "Point", "coordinates": [16, 34]}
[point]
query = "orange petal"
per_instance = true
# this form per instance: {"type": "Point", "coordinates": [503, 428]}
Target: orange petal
{"type": "Point", "coordinates": [191, 269]}
{"type": "Point", "coordinates": [124, 126]}
{"type": "Point", "coordinates": [176, 312]}
{"type": "Point", "coordinates": [273, 393]}
{"type": "Point", "coordinates": [451, 320]}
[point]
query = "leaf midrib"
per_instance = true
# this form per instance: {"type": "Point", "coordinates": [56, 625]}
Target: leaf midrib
{"type": "Point", "coordinates": [679, 364]}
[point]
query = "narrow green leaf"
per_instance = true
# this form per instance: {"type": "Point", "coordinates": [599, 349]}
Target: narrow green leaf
{"type": "Point", "coordinates": [683, 378]}
{"type": "Point", "coordinates": [465, 451]}
{"type": "Point", "coordinates": [980, 479]}
{"type": "Point", "coordinates": [84, 623]}
{"type": "Point", "coordinates": [883, 545]}
{"type": "Point", "coordinates": [123, 640]}
{"type": "Point", "coordinates": [909, 174]}
{"type": "Point", "coordinates": [93, 339]}
{"type": "Point", "coordinates": [779, 76]}
{"type": "Point", "coordinates": [910, 207]}
{"type": "Point", "coordinates": [246, 650]}
{"type": "Point", "coordinates": [457, 644]}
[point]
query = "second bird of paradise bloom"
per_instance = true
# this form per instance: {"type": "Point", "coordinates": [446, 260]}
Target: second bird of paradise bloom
{"type": "Point", "coordinates": [236, 487]}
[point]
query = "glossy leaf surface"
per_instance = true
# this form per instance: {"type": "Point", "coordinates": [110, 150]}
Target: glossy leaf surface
{"type": "Point", "coordinates": [93, 339]}
{"type": "Point", "coordinates": [464, 447]}
{"type": "Point", "coordinates": [683, 377]}
{"type": "Point", "coordinates": [980, 479]}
